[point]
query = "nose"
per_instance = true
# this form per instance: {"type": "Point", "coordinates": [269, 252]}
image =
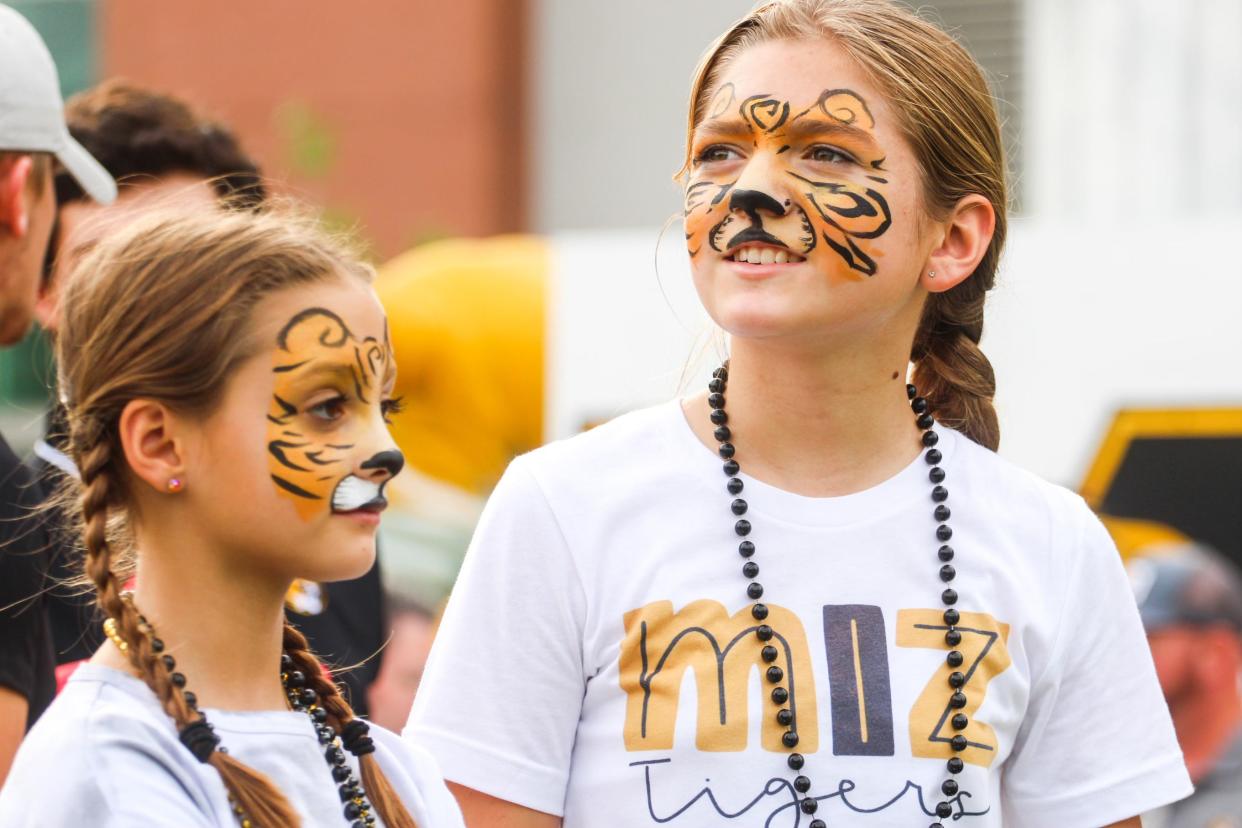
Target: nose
{"type": "Point", "coordinates": [751, 202]}
{"type": "Point", "coordinates": [384, 465]}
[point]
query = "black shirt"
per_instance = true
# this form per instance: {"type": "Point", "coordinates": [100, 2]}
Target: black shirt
{"type": "Point", "coordinates": [27, 664]}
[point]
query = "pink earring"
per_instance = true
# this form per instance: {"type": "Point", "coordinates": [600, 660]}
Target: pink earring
{"type": "Point", "coordinates": [175, 485]}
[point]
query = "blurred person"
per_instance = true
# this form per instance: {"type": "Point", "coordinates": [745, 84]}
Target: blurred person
{"type": "Point", "coordinates": [32, 134]}
{"type": "Point", "coordinates": [1190, 600]}
{"type": "Point", "coordinates": [467, 322]}
{"type": "Point", "coordinates": [164, 153]}
{"type": "Point", "coordinates": [845, 201]}
{"type": "Point", "coordinates": [227, 379]}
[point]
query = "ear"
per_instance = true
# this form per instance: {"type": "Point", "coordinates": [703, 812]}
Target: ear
{"type": "Point", "coordinates": [14, 216]}
{"type": "Point", "coordinates": [967, 234]}
{"type": "Point", "coordinates": [47, 306]}
{"type": "Point", "coordinates": [152, 446]}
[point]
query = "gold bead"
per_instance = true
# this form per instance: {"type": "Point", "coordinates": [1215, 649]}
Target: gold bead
{"type": "Point", "coordinates": [246, 824]}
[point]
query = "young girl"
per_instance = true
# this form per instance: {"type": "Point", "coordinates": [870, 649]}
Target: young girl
{"type": "Point", "coordinates": [227, 379]}
{"type": "Point", "coordinates": [879, 622]}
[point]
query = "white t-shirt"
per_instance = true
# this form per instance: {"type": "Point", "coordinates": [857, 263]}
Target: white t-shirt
{"type": "Point", "coordinates": [596, 659]}
{"type": "Point", "coordinates": [106, 755]}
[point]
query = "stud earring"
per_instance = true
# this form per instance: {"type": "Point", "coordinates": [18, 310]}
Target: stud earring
{"type": "Point", "coordinates": [175, 485]}
{"type": "Point", "coordinates": [931, 274]}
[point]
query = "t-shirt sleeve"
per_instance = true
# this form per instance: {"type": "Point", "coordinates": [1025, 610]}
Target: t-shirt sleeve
{"type": "Point", "coordinates": [1097, 743]}
{"type": "Point", "coordinates": [500, 699]}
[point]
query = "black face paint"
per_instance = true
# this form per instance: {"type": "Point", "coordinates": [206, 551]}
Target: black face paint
{"type": "Point", "coordinates": [834, 205]}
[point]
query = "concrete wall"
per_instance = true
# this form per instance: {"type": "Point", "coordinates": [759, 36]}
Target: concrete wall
{"type": "Point", "coordinates": [611, 82]}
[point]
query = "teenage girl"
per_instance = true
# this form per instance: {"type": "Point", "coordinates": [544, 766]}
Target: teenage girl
{"type": "Point", "coordinates": [228, 381]}
{"type": "Point", "coordinates": [868, 619]}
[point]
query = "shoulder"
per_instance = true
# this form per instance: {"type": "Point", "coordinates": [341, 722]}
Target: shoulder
{"type": "Point", "coordinates": [102, 712]}
{"type": "Point", "coordinates": [96, 739]}
{"type": "Point", "coordinates": [620, 453]}
{"type": "Point", "coordinates": [1014, 495]}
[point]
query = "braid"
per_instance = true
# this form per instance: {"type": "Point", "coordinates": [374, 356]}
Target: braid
{"type": "Point", "coordinates": [950, 370]}
{"type": "Point", "coordinates": [253, 795]}
{"type": "Point", "coordinates": [376, 785]}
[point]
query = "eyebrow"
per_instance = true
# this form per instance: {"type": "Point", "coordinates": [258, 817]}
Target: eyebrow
{"type": "Point", "coordinates": [797, 129]}
{"type": "Point", "coordinates": [312, 366]}
{"type": "Point", "coordinates": [723, 127]}
{"type": "Point", "coordinates": [807, 127]}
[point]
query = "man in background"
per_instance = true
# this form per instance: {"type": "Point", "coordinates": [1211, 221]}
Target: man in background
{"type": "Point", "coordinates": [1190, 600]}
{"type": "Point", "coordinates": [32, 133]}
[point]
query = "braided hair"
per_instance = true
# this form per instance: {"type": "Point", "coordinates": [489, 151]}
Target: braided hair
{"type": "Point", "coordinates": [138, 323]}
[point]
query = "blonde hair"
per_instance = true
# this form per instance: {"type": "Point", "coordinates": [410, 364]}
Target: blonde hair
{"type": "Point", "coordinates": [162, 311]}
{"type": "Point", "coordinates": [948, 115]}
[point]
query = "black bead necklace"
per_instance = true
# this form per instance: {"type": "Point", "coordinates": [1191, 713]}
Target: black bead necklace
{"type": "Point", "coordinates": [200, 739]}
{"type": "Point", "coordinates": [764, 633]}
{"type": "Point", "coordinates": [353, 737]}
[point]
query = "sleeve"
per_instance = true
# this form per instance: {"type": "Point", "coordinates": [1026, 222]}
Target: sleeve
{"type": "Point", "coordinates": [1097, 744]}
{"type": "Point", "coordinates": [500, 699]}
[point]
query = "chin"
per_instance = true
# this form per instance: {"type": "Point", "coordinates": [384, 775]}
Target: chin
{"type": "Point", "coordinates": [344, 560]}
{"type": "Point", "coordinates": [747, 318]}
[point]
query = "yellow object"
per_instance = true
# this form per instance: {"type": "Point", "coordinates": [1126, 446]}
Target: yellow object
{"type": "Point", "coordinates": [1138, 537]}
{"type": "Point", "coordinates": [466, 317]}
{"type": "Point", "coordinates": [114, 635]}
{"type": "Point", "coordinates": [1130, 425]}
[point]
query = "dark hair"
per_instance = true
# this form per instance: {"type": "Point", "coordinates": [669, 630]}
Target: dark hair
{"type": "Point", "coordinates": [134, 131]}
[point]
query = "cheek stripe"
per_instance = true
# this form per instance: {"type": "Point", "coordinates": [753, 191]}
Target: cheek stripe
{"type": "Point", "coordinates": [277, 449]}
{"type": "Point", "coordinates": [296, 491]}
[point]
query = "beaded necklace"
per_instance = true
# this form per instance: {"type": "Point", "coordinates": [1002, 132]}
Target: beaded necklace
{"type": "Point", "coordinates": [764, 633]}
{"type": "Point", "coordinates": [200, 739]}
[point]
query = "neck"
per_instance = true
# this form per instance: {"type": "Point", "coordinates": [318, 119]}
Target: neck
{"type": "Point", "coordinates": [817, 424]}
{"type": "Point", "coordinates": [1206, 725]}
{"type": "Point", "coordinates": [222, 623]}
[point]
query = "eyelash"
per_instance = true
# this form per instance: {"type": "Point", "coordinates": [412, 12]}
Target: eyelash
{"type": "Point", "coordinates": [392, 407]}
{"type": "Point", "coordinates": [702, 158]}
{"type": "Point", "coordinates": [338, 400]}
{"type": "Point", "coordinates": [389, 408]}
{"type": "Point", "coordinates": [842, 156]}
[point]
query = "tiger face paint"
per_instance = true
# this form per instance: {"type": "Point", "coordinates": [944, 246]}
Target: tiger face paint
{"type": "Point", "coordinates": [777, 181]}
{"type": "Point", "coordinates": [329, 385]}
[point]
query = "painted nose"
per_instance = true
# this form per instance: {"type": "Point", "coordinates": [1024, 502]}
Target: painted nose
{"type": "Point", "coordinates": [391, 461]}
{"type": "Point", "coordinates": [751, 202]}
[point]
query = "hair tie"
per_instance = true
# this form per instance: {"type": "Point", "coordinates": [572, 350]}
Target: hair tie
{"type": "Point", "coordinates": [355, 739]}
{"type": "Point", "coordinates": [199, 737]}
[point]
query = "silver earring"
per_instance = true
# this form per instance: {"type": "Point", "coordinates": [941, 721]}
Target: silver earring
{"type": "Point", "coordinates": [931, 274]}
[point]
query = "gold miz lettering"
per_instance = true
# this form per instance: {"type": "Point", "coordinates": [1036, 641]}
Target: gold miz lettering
{"type": "Point", "coordinates": [721, 651]}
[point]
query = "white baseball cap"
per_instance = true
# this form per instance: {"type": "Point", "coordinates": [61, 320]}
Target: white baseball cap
{"type": "Point", "coordinates": [32, 113]}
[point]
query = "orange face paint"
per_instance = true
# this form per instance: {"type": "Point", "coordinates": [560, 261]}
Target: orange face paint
{"type": "Point", "coordinates": [806, 178]}
{"type": "Point", "coordinates": [316, 350]}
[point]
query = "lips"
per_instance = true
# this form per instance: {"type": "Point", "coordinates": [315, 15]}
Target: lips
{"type": "Point", "coordinates": [756, 246]}
{"type": "Point", "coordinates": [355, 493]}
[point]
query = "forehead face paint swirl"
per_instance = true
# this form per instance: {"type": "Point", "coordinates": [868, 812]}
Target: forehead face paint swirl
{"type": "Point", "coordinates": [310, 464]}
{"type": "Point", "coordinates": [823, 179]}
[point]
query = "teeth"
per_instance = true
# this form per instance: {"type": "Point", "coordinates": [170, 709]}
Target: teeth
{"type": "Point", "coordinates": [353, 492]}
{"type": "Point", "coordinates": [765, 255]}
